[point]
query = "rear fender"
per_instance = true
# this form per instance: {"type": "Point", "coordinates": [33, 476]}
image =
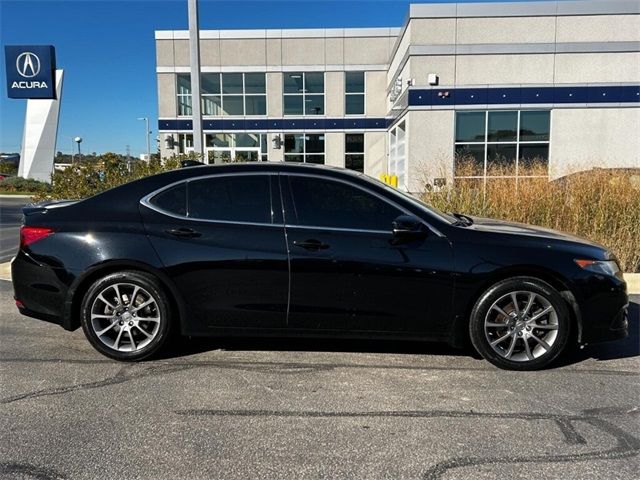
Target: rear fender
{"type": "Point", "coordinates": [75, 294]}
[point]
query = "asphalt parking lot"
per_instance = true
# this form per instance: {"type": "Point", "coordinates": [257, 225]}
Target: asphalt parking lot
{"type": "Point", "coordinates": [10, 220]}
{"type": "Point", "coordinates": [309, 409]}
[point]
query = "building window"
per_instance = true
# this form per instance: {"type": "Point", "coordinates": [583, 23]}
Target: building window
{"type": "Point", "coordinates": [502, 144]}
{"type": "Point", "coordinates": [236, 147]}
{"type": "Point", "coordinates": [397, 153]}
{"type": "Point", "coordinates": [184, 94]}
{"type": "Point", "coordinates": [185, 143]}
{"type": "Point", "coordinates": [354, 151]}
{"type": "Point", "coordinates": [305, 148]}
{"type": "Point", "coordinates": [225, 94]}
{"type": "Point", "coordinates": [354, 93]}
{"type": "Point", "coordinates": [303, 93]}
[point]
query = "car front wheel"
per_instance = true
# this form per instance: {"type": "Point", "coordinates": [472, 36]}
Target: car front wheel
{"type": "Point", "coordinates": [520, 323]}
{"type": "Point", "coordinates": [126, 315]}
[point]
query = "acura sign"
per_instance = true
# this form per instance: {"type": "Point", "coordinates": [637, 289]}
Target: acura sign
{"type": "Point", "coordinates": [30, 71]}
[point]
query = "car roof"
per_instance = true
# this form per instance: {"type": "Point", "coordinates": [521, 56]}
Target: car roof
{"type": "Point", "coordinates": [271, 166]}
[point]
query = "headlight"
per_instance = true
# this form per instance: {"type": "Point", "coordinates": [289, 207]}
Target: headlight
{"type": "Point", "coordinates": [603, 267]}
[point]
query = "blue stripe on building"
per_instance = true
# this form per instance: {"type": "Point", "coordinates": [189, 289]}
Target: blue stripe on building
{"type": "Point", "coordinates": [263, 124]}
{"type": "Point", "coordinates": [452, 97]}
{"type": "Point", "coordinates": [432, 97]}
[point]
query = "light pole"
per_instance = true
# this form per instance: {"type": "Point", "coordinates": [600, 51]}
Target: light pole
{"type": "Point", "coordinates": [78, 140]}
{"type": "Point", "coordinates": [148, 135]}
{"type": "Point", "coordinates": [194, 60]}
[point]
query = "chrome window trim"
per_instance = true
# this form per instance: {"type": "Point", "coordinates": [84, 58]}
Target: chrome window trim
{"type": "Point", "coordinates": [146, 202]}
{"type": "Point", "coordinates": [338, 229]}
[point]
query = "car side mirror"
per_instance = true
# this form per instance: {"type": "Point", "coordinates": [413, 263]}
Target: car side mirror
{"type": "Point", "coordinates": [407, 228]}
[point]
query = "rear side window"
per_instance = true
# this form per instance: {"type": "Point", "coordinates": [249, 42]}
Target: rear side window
{"type": "Point", "coordinates": [173, 200]}
{"type": "Point", "coordinates": [327, 203]}
{"type": "Point", "coordinates": [243, 198]}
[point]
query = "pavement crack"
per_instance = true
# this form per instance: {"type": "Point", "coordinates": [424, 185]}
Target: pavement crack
{"type": "Point", "coordinates": [25, 469]}
{"type": "Point", "coordinates": [626, 445]}
{"type": "Point", "coordinates": [123, 375]}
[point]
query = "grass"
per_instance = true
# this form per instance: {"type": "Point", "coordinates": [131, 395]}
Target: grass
{"type": "Point", "coordinates": [600, 205]}
{"type": "Point", "coordinates": [13, 192]}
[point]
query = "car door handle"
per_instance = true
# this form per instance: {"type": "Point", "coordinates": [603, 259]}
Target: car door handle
{"type": "Point", "coordinates": [311, 244]}
{"type": "Point", "coordinates": [183, 232]}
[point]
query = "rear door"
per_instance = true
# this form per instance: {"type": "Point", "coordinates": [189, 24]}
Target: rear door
{"type": "Point", "coordinates": [347, 274]}
{"type": "Point", "coordinates": [224, 248]}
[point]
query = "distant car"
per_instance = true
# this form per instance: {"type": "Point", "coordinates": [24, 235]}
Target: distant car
{"type": "Point", "coordinates": [190, 163]}
{"type": "Point", "coordinates": [302, 250]}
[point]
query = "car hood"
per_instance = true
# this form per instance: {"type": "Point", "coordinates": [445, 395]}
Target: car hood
{"type": "Point", "coordinates": [513, 228]}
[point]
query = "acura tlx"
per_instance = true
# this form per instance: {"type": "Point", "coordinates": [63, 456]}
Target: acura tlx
{"type": "Point", "coordinates": [276, 249]}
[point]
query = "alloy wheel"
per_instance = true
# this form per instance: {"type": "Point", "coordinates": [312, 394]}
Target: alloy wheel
{"type": "Point", "coordinates": [521, 326]}
{"type": "Point", "coordinates": [125, 317]}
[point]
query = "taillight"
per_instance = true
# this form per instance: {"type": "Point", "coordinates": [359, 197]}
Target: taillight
{"type": "Point", "coordinates": [29, 235]}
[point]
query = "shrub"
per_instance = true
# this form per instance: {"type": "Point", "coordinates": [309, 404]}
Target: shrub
{"type": "Point", "coordinates": [8, 168]}
{"type": "Point", "coordinates": [24, 185]}
{"type": "Point", "coordinates": [81, 180]}
{"type": "Point", "coordinates": [601, 205]}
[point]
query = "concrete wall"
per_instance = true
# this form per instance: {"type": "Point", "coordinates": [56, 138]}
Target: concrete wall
{"type": "Point", "coordinates": [334, 149]}
{"type": "Point", "coordinates": [274, 94]}
{"type": "Point", "coordinates": [280, 48]}
{"type": "Point", "coordinates": [430, 147]}
{"type": "Point", "coordinates": [503, 48]}
{"type": "Point", "coordinates": [167, 104]}
{"type": "Point", "coordinates": [597, 67]}
{"type": "Point", "coordinates": [595, 137]}
{"type": "Point", "coordinates": [598, 28]}
{"type": "Point", "coordinates": [375, 156]}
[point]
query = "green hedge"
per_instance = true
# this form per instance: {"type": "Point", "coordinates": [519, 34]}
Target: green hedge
{"type": "Point", "coordinates": [25, 186]}
{"type": "Point", "coordinates": [81, 180]}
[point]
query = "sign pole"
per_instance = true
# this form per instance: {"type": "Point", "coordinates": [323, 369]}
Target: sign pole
{"type": "Point", "coordinates": [194, 56]}
{"type": "Point", "coordinates": [31, 74]}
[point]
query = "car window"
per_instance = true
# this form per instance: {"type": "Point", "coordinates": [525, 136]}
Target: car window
{"type": "Point", "coordinates": [242, 198]}
{"type": "Point", "coordinates": [327, 203]}
{"type": "Point", "coordinates": [172, 200]}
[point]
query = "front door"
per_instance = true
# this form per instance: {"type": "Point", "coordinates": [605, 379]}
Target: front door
{"type": "Point", "coordinates": [345, 271]}
{"type": "Point", "coordinates": [223, 249]}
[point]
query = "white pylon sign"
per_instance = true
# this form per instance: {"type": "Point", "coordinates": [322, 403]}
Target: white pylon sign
{"type": "Point", "coordinates": [40, 134]}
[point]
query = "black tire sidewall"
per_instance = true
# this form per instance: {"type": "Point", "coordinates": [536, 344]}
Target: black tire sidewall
{"type": "Point", "coordinates": [149, 283]}
{"type": "Point", "coordinates": [479, 312]}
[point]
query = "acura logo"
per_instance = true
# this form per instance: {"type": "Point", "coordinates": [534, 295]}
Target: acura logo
{"type": "Point", "coordinates": [28, 64]}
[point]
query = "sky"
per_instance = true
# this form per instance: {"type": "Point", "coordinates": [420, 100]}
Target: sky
{"type": "Point", "coordinates": [107, 51]}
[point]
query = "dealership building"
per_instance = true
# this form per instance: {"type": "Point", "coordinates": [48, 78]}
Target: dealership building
{"type": "Point", "coordinates": [468, 90]}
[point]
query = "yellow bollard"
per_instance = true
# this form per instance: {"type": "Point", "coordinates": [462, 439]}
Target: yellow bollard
{"type": "Point", "coordinates": [394, 181]}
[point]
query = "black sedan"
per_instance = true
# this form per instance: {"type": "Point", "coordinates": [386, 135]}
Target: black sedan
{"type": "Point", "coordinates": [301, 250]}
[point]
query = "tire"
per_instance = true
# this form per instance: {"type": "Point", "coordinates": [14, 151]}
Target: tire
{"type": "Point", "coordinates": [133, 328]}
{"type": "Point", "coordinates": [526, 334]}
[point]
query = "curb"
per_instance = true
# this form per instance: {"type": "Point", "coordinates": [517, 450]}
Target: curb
{"type": "Point", "coordinates": [632, 279]}
{"type": "Point", "coordinates": [633, 283]}
{"type": "Point", "coordinates": [5, 271]}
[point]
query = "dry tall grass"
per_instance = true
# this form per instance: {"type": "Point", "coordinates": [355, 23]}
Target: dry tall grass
{"type": "Point", "coordinates": [601, 205]}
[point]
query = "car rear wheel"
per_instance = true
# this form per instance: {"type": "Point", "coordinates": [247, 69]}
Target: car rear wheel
{"type": "Point", "coordinates": [521, 323]}
{"type": "Point", "coordinates": [126, 315]}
